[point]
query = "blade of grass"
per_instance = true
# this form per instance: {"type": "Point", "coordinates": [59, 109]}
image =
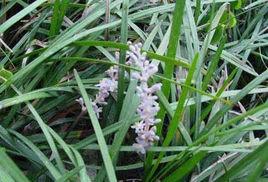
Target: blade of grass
{"type": "Point", "coordinates": [207, 110]}
{"type": "Point", "coordinates": [49, 138]}
{"type": "Point", "coordinates": [11, 167]}
{"type": "Point", "coordinates": [127, 114]}
{"type": "Point", "coordinates": [67, 176]}
{"type": "Point", "coordinates": [59, 10]}
{"type": "Point", "coordinates": [185, 168]}
{"type": "Point", "coordinates": [171, 53]}
{"type": "Point", "coordinates": [197, 10]}
{"type": "Point", "coordinates": [7, 7]}
{"type": "Point", "coordinates": [190, 164]}
{"type": "Point", "coordinates": [47, 163]}
{"type": "Point", "coordinates": [80, 162]}
{"type": "Point", "coordinates": [259, 154]}
{"type": "Point", "coordinates": [230, 122]}
{"type": "Point", "coordinates": [4, 176]}
{"type": "Point", "coordinates": [213, 65]}
{"type": "Point", "coordinates": [104, 149]}
{"type": "Point", "coordinates": [256, 173]}
{"type": "Point", "coordinates": [178, 116]}
{"type": "Point", "coordinates": [180, 62]}
{"type": "Point", "coordinates": [106, 131]}
{"type": "Point", "coordinates": [228, 148]}
{"type": "Point", "coordinates": [170, 112]}
{"type": "Point", "coordinates": [122, 57]}
{"type": "Point", "coordinates": [253, 84]}
{"type": "Point", "coordinates": [214, 22]}
{"type": "Point", "coordinates": [37, 94]}
{"type": "Point", "coordinates": [11, 21]}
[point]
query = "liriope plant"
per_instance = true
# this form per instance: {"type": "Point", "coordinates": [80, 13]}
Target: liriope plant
{"type": "Point", "coordinates": [185, 101]}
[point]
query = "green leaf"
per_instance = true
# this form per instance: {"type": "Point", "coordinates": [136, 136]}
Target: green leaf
{"type": "Point", "coordinates": [69, 174]}
{"type": "Point", "coordinates": [258, 155]}
{"type": "Point", "coordinates": [213, 64]}
{"type": "Point", "coordinates": [18, 16]}
{"type": "Point", "coordinates": [5, 74]}
{"type": "Point", "coordinates": [237, 4]}
{"type": "Point", "coordinates": [258, 80]}
{"type": "Point", "coordinates": [99, 134]}
{"type": "Point", "coordinates": [178, 115]}
{"type": "Point", "coordinates": [80, 162]}
{"type": "Point", "coordinates": [184, 169]}
{"type": "Point", "coordinates": [75, 158]}
{"type": "Point", "coordinates": [152, 55]}
{"type": "Point", "coordinates": [127, 114]}
{"type": "Point", "coordinates": [11, 168]}
{"type": "Point", "coordinates": [59, 10]}
{"type": "Point", "coordinates": [47, 134]}
{"type": "Point", "coordinates": [47, 163]}
{"type": "Point", "coordinates": [122, 57]}
{"type": "Point", "coordinates": [172, 51]}
{"type": "Point", "coordinates": [228, 20]}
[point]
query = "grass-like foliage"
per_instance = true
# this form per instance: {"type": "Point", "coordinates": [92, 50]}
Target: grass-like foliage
{"type": "Point", "coordinates": [60, 121]}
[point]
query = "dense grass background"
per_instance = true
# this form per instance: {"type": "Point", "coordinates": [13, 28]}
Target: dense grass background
{"type": "Point", "coordinates": [212, 57]}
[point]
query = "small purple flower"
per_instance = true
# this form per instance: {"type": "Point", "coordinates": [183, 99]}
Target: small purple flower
{"type": "Point", "coordinates": [81, 103]}
{"type": "Point", "coordinates": [106, 86]}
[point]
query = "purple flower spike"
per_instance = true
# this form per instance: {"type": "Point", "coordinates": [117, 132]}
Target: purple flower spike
{"type": "Point", "coordinates": [148, 107]}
